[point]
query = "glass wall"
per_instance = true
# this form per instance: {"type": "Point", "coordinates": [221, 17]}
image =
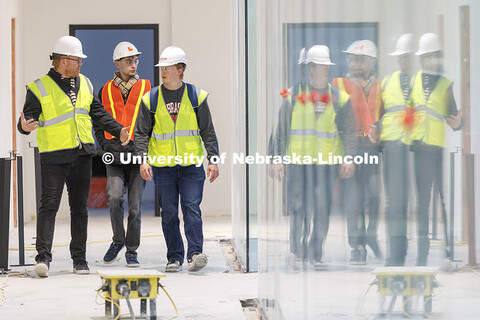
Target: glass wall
{"type": "Point", "coordinates": [356, 107]}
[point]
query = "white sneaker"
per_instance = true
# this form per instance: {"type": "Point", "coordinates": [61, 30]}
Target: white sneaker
{"type": "Point", "coordinates": [293, 262]}
{"type": "Point", "coordinates": [173, 266]}
{"type": "Point", "coordinates": [41, 269]}
{"type": "Point", "coordinates": [197, 262]}
{"type": "Point", "coordinates": [319, 265]}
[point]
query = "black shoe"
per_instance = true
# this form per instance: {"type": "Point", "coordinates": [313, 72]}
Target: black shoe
{"type": "Point", "coordinates": [81, 267]}
{"type": "Point", "coordinates": [112, 252]}
{"type": "Point", "coordinates": [41, 268]}
{"type": "Point", "coordinates": [132, 261]}
{"type": "Point", "coordinates": [358, 257]}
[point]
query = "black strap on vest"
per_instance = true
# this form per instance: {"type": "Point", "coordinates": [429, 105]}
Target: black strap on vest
{"type": "Point", "coordinates": [191, 91]}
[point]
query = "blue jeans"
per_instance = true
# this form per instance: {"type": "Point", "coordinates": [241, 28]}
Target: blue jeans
{"type": "Point", "coordinates": [185, 183]}
{"type": "Point", "coordinates": [121, 178]}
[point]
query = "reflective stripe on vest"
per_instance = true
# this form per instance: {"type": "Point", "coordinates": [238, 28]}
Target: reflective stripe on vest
{"type": "Point", "coordinates": [393, 120]}
{"type": "Point", "coordinates": [124, 112]}
{"type": "Point", "coordinates": [176, 138]}
{"type": "Point", "coordinates": [430, 115]}
{"type": "Point", "coordinates": [61, 125]}
{"type": "Point", "coordinates": [311, 135]}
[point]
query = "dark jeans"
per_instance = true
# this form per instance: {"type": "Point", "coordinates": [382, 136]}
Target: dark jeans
{"type": "Point", "coordinates": [324, 182]}
{"type": "Point", "coordinates": [300, 204]}
{"type": "Point", "coordinates": [120, 179]}
{"type": "Point", "coordinates": [185, 183]}
{"type": "Point", "coordinates": [77, 176]}
{"type": "Point", "coordinates": [362, 194]}
{"type": "Point", "coordinates": [428, 166]}
{"type": "Point", "coordinates": [395, 176]}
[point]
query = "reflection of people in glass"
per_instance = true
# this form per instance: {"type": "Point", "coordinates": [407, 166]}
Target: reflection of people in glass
{"type": "Point", "coordinates": [393, 130]}
{"type": "Point", "coordinates": [363, 189]}
{"type": "Point", "coordinates": [272, 171]}
{"type": "Point", "coordinates": [310, 123]}
{"type": "Point", "coordinates": [432, 98]}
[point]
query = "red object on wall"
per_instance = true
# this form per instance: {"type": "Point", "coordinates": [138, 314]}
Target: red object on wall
{"type": "Point", "coordinates": [98, 198]}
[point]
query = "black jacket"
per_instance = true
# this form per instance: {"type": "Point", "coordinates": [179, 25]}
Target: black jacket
{"type": "Point", "coordinates": [33, 108]}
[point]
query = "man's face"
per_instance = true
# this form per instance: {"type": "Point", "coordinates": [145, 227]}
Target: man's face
{"type": "Point", "coordinates": [431, 62]}
{"type": "Point", "coordinates": [72, 66]}
{"type": "Point", "coordinates": [360, 66]}
{"type": "Point", "coordinates": [127, 66]}
{"type": "Point", "coordinates": [170, 74]}
{"type": "Point", "coordinates": [405, 61]}
{"type": "Point", "coordinates": [318, 72]}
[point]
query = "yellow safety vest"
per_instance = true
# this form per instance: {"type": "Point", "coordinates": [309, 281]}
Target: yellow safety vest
{"type": "Point", "coordinates": [430, 115]}
{"type": "Point", "coordinates": [180, 138]}
{"type": "Point", "coordinates": [310, 136]}
{"type": "Point", "coordinates": [395, 106]}
{"type": "Point", "coordinates": [61, 125]}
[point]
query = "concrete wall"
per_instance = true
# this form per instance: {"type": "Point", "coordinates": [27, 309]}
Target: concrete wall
{"type": "Point", "coordinates": [202, 28]}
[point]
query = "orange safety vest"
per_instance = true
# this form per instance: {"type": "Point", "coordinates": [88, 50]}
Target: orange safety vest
{"type": "Point", "coordinates": [366, 110]}
{"type": "Point", "coordinates": [125, 114]}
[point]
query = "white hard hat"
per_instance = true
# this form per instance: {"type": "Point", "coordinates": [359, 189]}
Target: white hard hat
{"type": "Point", "coordinates": [171, 56]}
{"type": "Point", "coordinates": [429, 42]}
{"type": "Point", "coordinates": [404, 45]}
{"type": "Point", "coordinates": [302, 57]}
{"type": "Point", "coordinates": [362, 48]}
{"type": "Point", "coordinates": [68, 46]}
{"type": "Point", "coordinates": [124, 49]}
{"type": "Point", "coordinates": [319, 54]}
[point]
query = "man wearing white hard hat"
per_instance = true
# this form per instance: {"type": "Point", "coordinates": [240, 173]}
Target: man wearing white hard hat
{"type": "Point", "coordinates": [316, 119]}
{"type": "Point", "coordinates": [173, 121]}
{"type": "Point", "coordinates": [362, 191]}
{"type": "Point", "coordinates": [393, 132]}
{"type": "Point", "coordinates": [292, 204]}
{"type": "Point", "coordinates": [434, 104]}
{"type": "Point", "coordinates": [121, 97]}
{"type": "Point", "coordinates": [61, 107]}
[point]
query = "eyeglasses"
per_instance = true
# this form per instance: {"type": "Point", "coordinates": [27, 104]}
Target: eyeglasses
{"type": "Point", "coordinates": [130, 61]}
{"type": "Point", "coordinates": [78, 60]}
{"type": "Point", "coordinates": [167, 68]}
{"type": "Point", "coordinates": [356, 59]}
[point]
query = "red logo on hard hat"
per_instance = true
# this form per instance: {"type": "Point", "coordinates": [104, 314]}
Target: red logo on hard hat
{"type": "Point", "coordinates": [409, 119]}
{"type": "Point", "coordinates": [285, 93]}
{"type": "Point", "coordinates": [302, 98]}
{"type": "Point", "coordinates": [315, 97]}
{"type": "Point", "coordinates": [130, 49]}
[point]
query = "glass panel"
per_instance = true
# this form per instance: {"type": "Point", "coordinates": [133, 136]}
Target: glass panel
{"type": "Point", "coordinates": [355, 228]}
{"type": "Point", "coordinates": [239, 172]}
{"type": "Point", "coordinates": [252, 130]}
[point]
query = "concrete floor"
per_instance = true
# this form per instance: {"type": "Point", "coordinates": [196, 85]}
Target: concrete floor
{"type": "Point", "coordinates": [216, 291]}
{"type": "Point", "coordinates": [212, 293]}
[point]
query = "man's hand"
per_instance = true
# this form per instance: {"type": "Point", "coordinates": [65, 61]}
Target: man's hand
{"type": "Point", "coordinates": [212, 172]}
{"type": "Point", "coordinates": [373, 135]}
{"type": "Point", "coordinates": [455, 121]}
{"type": "Point", "coordinates": [276, 171]}
{"type": "Point", "coordinates": [346, 170]}
{"type": "Point", "coordinates": [146, 171]}
{"type": "Point", "coordinates": [125, 136]}
{"type": "Point", "coordinates": [28, 125]}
